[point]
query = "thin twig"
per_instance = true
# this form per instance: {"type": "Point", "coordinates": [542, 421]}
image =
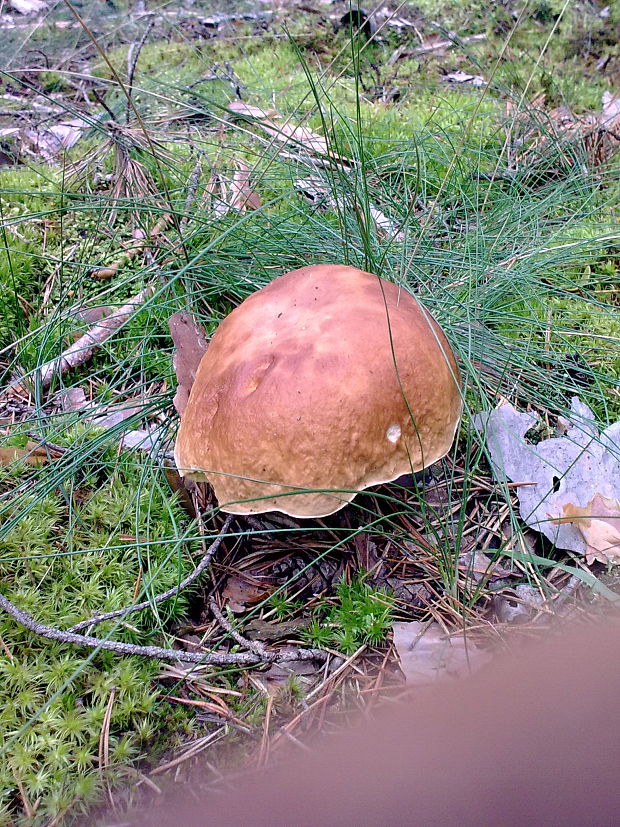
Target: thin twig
{"type": "Point", "coordinates": [429, 48]}
{"type": "Point", "coordinates": [132, 59]}
{"type": "Point", "coordinates": [155, 652]}
{"type": "Point", "coordinates": [175, 590]}
{"type": "Point", "coordinates": [190, 198]}
{"type": "Point", "coordinates": [44, 443]}
{"type": "Point", "coordinates": [82, 350]}
{"type": "Point", "coordinates": [251, 645]}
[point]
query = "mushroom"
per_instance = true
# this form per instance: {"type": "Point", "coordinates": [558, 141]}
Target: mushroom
{"type": "Point", "coordinates": [325, 382]}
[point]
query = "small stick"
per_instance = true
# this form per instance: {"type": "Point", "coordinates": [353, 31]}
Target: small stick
{"type": "Point", "coordinates": [132, 60]}
{"type": "Point", "coordinates": [251, 645]}
{"type": "Point", "coordinates": [155, 652]}
{"type": "Point", "coordinates": [206, 559]}
{"type": "Point", "coordinates": [82, 350]}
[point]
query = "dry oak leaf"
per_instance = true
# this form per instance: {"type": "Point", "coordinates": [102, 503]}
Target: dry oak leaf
{"type": "Point", "coordinates": [599, 522]}
{"type": "Point", "coordinates": [190, 341]}
{"type": "Point", "coordinates": [244, 197]}
{"type": "Point", "coordinates": [567, 470]}
{"type": "Point", "coordinates": [241, 593]}
{"type": "Point", "coordinates": [33, 454]}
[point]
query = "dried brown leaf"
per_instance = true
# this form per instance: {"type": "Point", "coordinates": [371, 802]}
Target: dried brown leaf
{"type": "Point", "coordinates": [33, 454]}
{"type": "Point", "coordinates": [526, 603]}
{"type": "Point", "coordinates": [241, 593]}
{"type": "Point", "coordinates": [479, 567]}
{"type": "Point", "coordinates": [280, 674]}
{"type": "Point", "coordinates": [190, 341]}
{"type": "Point", "coordinates": [572, 470]}
{"type": "Point", "coordinates": [599, 522]}
{"type": "Point", "coordinates": [73, 399]}
{"type": "Point", "coordinates": [267, 632]}
{"type": "Point", "coordinates": [178, 485]}
{"type": "Point", "coordinates": [243, 196]}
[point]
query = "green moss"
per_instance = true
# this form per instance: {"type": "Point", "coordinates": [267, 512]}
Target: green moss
{"type": "Point", "coordinates": [359, 615]}
{"type": "Point", "coordinates": [27, 198]}
{"type": "Point", "coordinates": [69, 557]}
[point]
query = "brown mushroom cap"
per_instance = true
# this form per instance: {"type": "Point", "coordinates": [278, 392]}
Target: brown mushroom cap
{"type": "Point", "coordinates": [306, 395]}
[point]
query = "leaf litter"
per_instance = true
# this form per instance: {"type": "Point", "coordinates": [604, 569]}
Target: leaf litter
{"type": "Point", "coordinates": [568, 485]}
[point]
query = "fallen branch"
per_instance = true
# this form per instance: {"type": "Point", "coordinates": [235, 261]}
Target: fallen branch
{"type": "Point", "coordinates": [156, 652]}
{"type": "Point", "coordinates": [437, 46]}
{"type": "Point", "coordinates": [252, 645]}
{"type": "Point", "coordinates": [175, 590]}
{"type": "Point", "coordinates": [82, 350]}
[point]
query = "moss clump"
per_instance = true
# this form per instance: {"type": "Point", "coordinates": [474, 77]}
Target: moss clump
{"type": "Point", "coordinates": [359, 614]}
{"type": "Point", "coordinates": [84, 548]}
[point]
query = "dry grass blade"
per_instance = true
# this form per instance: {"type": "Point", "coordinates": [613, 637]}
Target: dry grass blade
{"type": "Point", "coordinates": [104, 741]}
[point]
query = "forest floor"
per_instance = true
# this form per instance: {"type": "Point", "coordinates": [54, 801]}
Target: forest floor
{"type": "Point", "coordinates": [166, 157]}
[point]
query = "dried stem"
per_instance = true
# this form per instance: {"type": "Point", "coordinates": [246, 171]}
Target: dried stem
{"type": "Point", "coordinates": [192, 187]}
{"type": "Point", "coordinates": [82, 350]}
{"type": "Point", "coordinates": [156, 652]}
{"type": "Point", "coordinates": [253, 646]}
{"type": "Point", "coordinates": [132, 60]}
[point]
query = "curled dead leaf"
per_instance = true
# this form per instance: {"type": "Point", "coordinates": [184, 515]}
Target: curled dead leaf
{"type": "Point", "coordinates": [479, 567]}
{"type": "Point", "coordinates": [240, 593]}
{"type": "Point", "coordinates": [577, 469]}
{"type": "Point", "coordinates": [32, 454]}
{"type": "Point", "coordinates": [599, 523]}
{"type": "Point", "coordinates": [244, 197]}
{"type": "Point", "coordinates": [190, 341]}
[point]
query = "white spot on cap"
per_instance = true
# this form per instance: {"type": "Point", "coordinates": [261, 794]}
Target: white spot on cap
{"type": "Point", "coordinates": [393, 433]}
